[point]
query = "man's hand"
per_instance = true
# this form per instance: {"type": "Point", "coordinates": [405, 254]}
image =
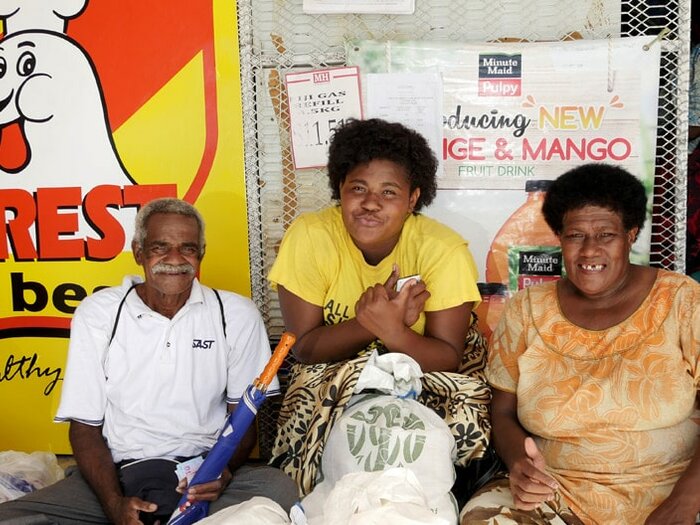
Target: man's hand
{"type": "Point", "coordinates": [125, 511]}
{"type": "Point", "coordinates": [206, 491]}
{"type": "Point", "coordinates": [97, 467]}
{"type": "Point", "coordinates": [529, 482]}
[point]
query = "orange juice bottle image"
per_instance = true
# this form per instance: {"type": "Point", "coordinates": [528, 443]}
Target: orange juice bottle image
{"type": "Point", "coordinates": [493, 301]}
{"type": "Point", "coordinates": [525, 251]}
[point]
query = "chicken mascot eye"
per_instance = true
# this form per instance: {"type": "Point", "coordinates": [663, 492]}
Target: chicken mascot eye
{"type": "Point", "coordinates": [26, 64]}
{"type": "Point", "coordinates": [3, 67]}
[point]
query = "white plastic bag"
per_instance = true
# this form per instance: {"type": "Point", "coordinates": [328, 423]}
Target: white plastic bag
{"type": "Point", "coordinates": [390, 497]}
{"type": "Point", "coordinates": [21, 473]}
{"type": "Point", "coordinates": [395, 374]}
{"type": "Point", "coordinates": [258, 510]}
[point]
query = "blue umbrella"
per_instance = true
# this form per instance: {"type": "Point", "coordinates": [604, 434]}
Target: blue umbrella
{"type": "Point", "coordinates": [231, 435]}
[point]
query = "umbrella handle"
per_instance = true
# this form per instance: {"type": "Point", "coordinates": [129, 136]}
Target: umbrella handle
{"type": "Point", "coordinates": [273, 365]}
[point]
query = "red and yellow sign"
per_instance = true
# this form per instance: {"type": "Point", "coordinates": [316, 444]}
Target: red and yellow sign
{"type": "Point", "coordinates": [102, 110]}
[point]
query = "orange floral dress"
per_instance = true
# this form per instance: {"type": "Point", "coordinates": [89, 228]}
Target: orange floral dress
{"type": "Point", "coordinates": [611, 410]}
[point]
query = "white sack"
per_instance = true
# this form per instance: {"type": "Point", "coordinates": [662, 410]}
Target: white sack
{"type": "Point", "coordinates": [381, 431]}
{"type": "Point", "coordinates": [257, 510]}
{"type": "Point", "coordinates": [391, 497]}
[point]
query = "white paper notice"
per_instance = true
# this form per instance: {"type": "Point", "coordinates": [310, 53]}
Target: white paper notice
{"type": "Point", "coordinates": [391, 7]}
{"type": "Point", "coordinates": [414, 99]}
{"type": "Point", "coordinates": [318, 102]}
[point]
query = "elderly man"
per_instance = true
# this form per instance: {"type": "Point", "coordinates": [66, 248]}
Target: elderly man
{"type": "Point", "coordinates": [153, 367]}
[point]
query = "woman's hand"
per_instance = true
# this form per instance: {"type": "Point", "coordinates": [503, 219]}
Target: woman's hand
{"type": "Point", "coordinates": [418, 295]}
{"type": "Point", "coordinates": [529, 482]}
{"type": "Point", "coordinates": [316, 341]}
{"type": "Point", "coordinates": [209, 491]}
{"type": "Point", "coordinates": [385, 316]}
{"type": "Point", "coordinates": [683, 504]}
{"type": "Point", "coordinates": [379, 314]}
{"type": "Point", "coordinates": [673, 511]}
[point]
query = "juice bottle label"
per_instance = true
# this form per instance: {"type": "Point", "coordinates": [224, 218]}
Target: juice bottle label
{"type": "Point", "coordinates": [528, 265]}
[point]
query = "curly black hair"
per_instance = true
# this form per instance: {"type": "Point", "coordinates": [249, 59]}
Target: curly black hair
{"type": "Point", "coordinates": [594, 184]}
{"type": "Point", "coordinates": [357, 142]}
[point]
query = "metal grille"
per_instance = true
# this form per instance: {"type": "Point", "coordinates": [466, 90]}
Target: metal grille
{"type": "Point", "coordinates": [276, 37]}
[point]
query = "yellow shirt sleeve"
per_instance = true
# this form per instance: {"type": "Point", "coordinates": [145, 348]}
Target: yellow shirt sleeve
{"type": "Point", "coordinates": [301, 250]}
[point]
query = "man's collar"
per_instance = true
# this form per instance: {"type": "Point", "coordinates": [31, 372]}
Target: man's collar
{"type": "Point", "coordinates": [196, 293]}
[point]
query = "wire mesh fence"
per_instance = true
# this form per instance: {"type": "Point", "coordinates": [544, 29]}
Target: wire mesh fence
{"type": "Point", "coordinates": [276, 38]}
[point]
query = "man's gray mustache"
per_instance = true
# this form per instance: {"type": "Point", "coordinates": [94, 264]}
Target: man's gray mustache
{"type": "Point", "coordinates": [172, 268]}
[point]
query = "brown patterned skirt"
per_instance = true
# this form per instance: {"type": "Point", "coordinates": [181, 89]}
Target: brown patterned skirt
{"type": "Point", "coordinates": [318, 394]}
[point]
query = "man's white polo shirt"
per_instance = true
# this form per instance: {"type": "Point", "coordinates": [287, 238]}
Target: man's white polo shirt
{"type": "Point", "coordinates": [161, 387]}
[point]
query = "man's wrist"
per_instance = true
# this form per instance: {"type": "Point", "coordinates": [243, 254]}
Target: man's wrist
{"type": "Point", "coordinates": [112, 506]}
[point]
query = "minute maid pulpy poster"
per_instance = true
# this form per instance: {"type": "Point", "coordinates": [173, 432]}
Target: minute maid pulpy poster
{"type": "Point", "coordinates": [519, 113]}
{"type": "Point", "coordinates": [104, 105]}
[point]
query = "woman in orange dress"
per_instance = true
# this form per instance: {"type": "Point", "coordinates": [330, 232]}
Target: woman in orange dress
{"type": "Point", "coordinates": [595, 377]}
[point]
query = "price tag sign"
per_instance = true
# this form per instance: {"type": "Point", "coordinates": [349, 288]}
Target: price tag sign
{"type": "Point", "coordinates": [318, 102]}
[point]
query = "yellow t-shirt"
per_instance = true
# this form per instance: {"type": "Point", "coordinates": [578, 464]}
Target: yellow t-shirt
{"type": "Point", "coordinates": [319, 263]}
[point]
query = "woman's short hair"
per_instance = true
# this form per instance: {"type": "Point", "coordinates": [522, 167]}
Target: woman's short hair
{"type": "Point", "coordinates": [602, 185]}
{"type": "Point", "coordinates": [167, 205]}
{"type": "Point", "coordinates": [358, 142]}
